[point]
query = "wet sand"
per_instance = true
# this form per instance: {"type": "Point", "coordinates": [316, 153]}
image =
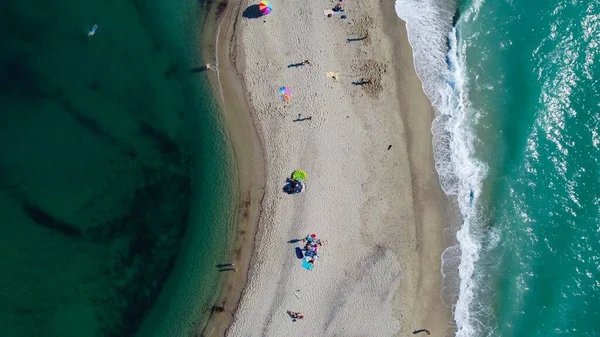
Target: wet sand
{"type": "Point", "coordinates": [248, 158]}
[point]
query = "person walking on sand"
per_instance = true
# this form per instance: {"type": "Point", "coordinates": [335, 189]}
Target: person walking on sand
{"type": "Point", "coordinates": [305, 62]}
{"type": "Point", "coordinates": [421, 330]}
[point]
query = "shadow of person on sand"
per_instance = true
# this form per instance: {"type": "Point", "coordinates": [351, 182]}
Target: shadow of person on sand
{"type": "Point", "coordinates": [356, 39]}
{"type": "Point", "coordinates": [252, 12]}
{"type": "Point", "coordinates": [362, 82]}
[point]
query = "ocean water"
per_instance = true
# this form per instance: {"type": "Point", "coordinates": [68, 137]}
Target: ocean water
{"type": "Point", "coordinates": [115, 177]}
{"type": "Point", "coordinates": [516, 139]}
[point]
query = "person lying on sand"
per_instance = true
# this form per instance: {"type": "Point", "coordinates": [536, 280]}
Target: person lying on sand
{"type": "Point", "coordinates": [295, 315]}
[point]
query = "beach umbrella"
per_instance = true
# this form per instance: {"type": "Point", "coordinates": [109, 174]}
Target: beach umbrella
{"type": "Point", "coordinates": [285, 93]}
{"type": "Point", "coordinates": [265, 7]}
{"type": "Point", "coordinates": [299, 175]}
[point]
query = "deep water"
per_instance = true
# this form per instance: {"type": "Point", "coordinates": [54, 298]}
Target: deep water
{"type": "Point", "coordinates": [532, 72]}
{"type": "Point", "coordinates": [115, 179]}
{"type": "Point", "coordinates": [515, 86]}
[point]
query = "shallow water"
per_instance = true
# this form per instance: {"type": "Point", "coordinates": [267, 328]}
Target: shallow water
{"type": "Point", "coordinates": [114, 168]}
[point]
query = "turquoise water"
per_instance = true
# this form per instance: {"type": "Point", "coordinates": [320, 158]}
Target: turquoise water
{"type": "Point", "coordinates": [115, 172]}
{"type": "Point", "coordinates": [518, 98]}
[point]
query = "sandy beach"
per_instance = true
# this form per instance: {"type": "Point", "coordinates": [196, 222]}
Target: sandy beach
{"type": "Point", "coordinates": [372, 191]}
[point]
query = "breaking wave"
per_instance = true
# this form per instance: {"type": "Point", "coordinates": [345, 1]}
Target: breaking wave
{"type": "Point", "coordinates": [439, 59]}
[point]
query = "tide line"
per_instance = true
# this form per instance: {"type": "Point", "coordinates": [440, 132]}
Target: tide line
{"type": "Point", "coordinates": [217, 63]}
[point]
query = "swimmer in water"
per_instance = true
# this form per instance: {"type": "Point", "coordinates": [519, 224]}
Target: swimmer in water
{"type": "Point", "coordinates": [92, 31]}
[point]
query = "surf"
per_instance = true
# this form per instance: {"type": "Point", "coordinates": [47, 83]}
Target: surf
{"type": "Point", "coordinates": [439, 59]}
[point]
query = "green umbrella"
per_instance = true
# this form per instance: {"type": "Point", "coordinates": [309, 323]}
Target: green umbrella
{"type": "Point", "coordinates": [299, 175]}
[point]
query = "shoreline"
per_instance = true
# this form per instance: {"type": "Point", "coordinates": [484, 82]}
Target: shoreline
{"type": "Point", "coordinates": [247, 156]}
{"type": "Point", "coordinates": [427, 190]}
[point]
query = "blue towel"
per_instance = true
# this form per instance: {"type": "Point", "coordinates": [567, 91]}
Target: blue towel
{"type": "Point", "coordinates": [307, 265]}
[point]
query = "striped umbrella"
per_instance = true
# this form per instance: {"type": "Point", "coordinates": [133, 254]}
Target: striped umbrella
{"type": "Point", "coordinates": [265, 7]}
{"type": "Point", "coordinates": [285, 93]}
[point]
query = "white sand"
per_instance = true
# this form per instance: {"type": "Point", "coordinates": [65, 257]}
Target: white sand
{"type": "Point", "coordinates": [376, 207]}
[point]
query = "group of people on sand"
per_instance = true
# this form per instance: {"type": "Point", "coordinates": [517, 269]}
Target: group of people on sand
{"type": "Point", "coordinates": [311, 248]}
{"type": "Point", "coordinates": [338, 9]}
{"type": "Point", "coordinates": [311, 252]}
{"type": "Point", "coordinates": [293, 186]}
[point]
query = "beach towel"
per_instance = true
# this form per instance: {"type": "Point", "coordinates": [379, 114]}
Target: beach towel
{"type": "Point", "coordinates": [333, 75]}
{"type": "Point", "coordinates": [307, 265]}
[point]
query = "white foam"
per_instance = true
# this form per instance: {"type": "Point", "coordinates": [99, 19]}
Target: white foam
{"type": "Point", "coordinates": [438, 60]}
{"type": "Point", "coordinates": [472, 12]}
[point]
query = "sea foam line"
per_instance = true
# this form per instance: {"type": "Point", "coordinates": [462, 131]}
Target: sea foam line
{"type": "Point", "coordinates": [438, 58]}
{"type": "Point", "coordinates": [217, 61]}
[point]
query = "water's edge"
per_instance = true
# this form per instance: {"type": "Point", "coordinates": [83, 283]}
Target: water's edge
{"type": "Point", "coordinates": [219, 46]}
{"type": "Point", "coordinates": [437, 59]}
